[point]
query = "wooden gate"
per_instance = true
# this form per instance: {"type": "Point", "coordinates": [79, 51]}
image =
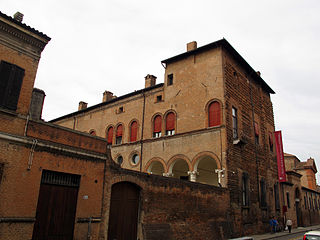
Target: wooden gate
{"type": "Point", "coordinates": [123, 217]}
{"type": "Point", "coordinates": [56, 208]}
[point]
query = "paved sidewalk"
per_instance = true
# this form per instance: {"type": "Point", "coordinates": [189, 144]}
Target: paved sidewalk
{"type": "Point", "coordinates": [284, 233]}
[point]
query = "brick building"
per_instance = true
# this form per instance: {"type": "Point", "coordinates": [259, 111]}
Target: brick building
{"type": "Point", "coordinates": [301, 199]}
{"type": "Point", "coordinates": [210, 122]}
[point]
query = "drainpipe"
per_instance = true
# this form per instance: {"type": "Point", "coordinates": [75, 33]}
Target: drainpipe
{"type": "Point", "coordinates": [142, 128]}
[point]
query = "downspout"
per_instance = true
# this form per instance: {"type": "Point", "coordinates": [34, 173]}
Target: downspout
{"type": "Point", "coordinates": [142, 128]}
{"type": "Point", "coordinates": [255, 145]}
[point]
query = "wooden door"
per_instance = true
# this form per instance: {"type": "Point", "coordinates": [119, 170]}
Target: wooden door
{"type": "Point", "coordinates": [123, 217]}
{"type": "Point", "coordinates": [56, 208]}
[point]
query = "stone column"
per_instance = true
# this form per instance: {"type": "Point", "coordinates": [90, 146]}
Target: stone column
{"type": "Point", "coordinates": [193, 175]}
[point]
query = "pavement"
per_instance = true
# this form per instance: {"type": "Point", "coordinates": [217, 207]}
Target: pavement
{"type": "Point", "coordinates": [284, 233]}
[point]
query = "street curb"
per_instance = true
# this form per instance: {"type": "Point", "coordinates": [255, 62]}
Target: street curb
{"type": "Point", "coordinates": [286, 234]}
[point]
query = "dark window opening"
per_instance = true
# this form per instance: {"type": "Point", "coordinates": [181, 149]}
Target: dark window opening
{"type": "Point", "coordinates": [159, 98]}
{"type": "Point", "coordinates": [271, 141]}
{"type": "Point", "coordinates": [93, 133]}
{"type": "Point", "coordinates": [235, 123]}
{"type": "Point", "coordinates": [119, 135]}
{"type": "Point", "coordinates": [11, 77]}
{"type": "Point", "coordinates": [120, 160]}
{"type": "Point", "coordinates": [245, 189]}
{"type": "Point", "coordinates": [120, 110]}
{"type": "Point", "coordinates": [288, 199]}
{"type": "Point", "coordinates": [276, 196]}
{"type": "Point", "coordinates": [135, 159]}
{"type": "Point", "coordinates": [184, 178]}
{"type": "Point", "coordinates": [170, 79]}
{"type": "Point", "coordinates": [263, 198]}
{"type": "Point", "coordinates": [256, 133]}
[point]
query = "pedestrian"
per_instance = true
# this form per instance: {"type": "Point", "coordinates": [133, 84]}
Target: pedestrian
{"type": "Point", "coordinates": [289, 225]}
{"type": "Point", "coordinates": [273, 223]}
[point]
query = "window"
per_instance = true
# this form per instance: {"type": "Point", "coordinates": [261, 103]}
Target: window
{"type": "Point", "coordinates": [11, 77]}
{"type": "Point", "coordinates": [170, 124]}
{"type": "Point", "coordinates": [276, 196]}
{"type": "Point", "coordinates": [235, 123]}
{"type": "Point", "coordinates": [288, 199]}
{"type": "Point", "coordinates": [133, 131]}
{"type": "Point", "coordinates": [119, 134]}
{"type": "Point", "coordinates": [135, 159]}
{"type": "Point", "coordinates": [214, 114]}
{"type": "Point", "coordinates": [159, 98]}
{"type": "Point", "coordinates": [120, 110]}
{"type": "Point", "coordinates": [170, 79]}
{"type": "Point", "coordinates": [110, 135]}
{"type": "Point", "coordinates": [119, 159]}
{"type": "Point", "coordinates": [263, 199]}
{"type": "Point", "coordinates": [245, 189]}
{"type": "Point", "coordinates": [92, 132]}
{"type": "Point", "coordinates": [305, 202]}
{"type": "Point", "coordinates": [157, 126]}
{"type": "Point", "coordinates": [256, 133]}
{"type": "Point", "coordinates": [271, 141]}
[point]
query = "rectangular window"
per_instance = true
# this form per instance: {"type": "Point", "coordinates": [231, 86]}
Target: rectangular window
{"type": "Point", "coordinates": [245, 189]}
{"type": "Point", "coordinates": [263, 193]}
{"type": "Point", "coordinates": [157, 134]}
{"type": "Point", "coordinates": [170, 79]}
{"type": "Point", "coordinates": [256, 133]}
{"type": "Point", "coordinates": [159, 98]}
{"type": "Point", "coordinates": [276, 196]}
{"type": "Point", "coordinates": [288, 199]}
{"type": "Point", "coordinates": [11, 77]}
{"type": "Point", "coordinates": [235, 123]}
{"type": "Point", "coordinates": [118, 139]}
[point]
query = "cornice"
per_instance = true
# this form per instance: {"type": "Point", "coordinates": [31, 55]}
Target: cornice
{"type": "Point", "coordinates": [21, 40]}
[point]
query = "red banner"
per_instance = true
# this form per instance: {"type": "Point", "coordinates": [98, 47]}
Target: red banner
{"type": "Point", "coordinates": [280, 157]}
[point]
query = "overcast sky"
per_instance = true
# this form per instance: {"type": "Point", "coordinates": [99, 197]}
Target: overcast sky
{"type": "Point", "coordinates": [112, 45]}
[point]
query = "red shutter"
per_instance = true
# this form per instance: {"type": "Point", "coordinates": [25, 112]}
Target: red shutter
{"type": "Point", "coordinates": [119, 131]}
{"type": "Point", "coordinates": [256, 129]}
{"type": "Point", "coordinates": [170, 122]}
{"type": "Point", "coordinates": [134, 129]}
{"type": "Point", "coordinates": [214, 114]}
{"type": "Point", "coordinates": [157, 124]}
{"type": "Point", "coordinates": [271, 139]}
{"type": "Point", "coordinates": [110, 135]}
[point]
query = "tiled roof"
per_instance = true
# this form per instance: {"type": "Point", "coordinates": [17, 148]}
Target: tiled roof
{"type": "Point", "coordinates": [25, 26]}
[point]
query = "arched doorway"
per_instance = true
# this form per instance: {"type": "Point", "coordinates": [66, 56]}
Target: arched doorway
{"type": "Point", "coordinates": [156, 168]}
{"type": "Point", "coordinates": [298, 210]}
{"type": "Point", "coordinates": [123, 215]}
{"type": "Point", "coordinates": [179, 169]}
{"type": "Point", "coordinates": [206, 167]}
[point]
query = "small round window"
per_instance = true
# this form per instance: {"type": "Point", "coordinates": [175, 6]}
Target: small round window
{"type": "Point", "coordinates": [120, 160]}
{"type": "Point", "coordinates": [135, 159]}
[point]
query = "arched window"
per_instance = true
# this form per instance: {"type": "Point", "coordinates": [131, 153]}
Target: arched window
{"type": "Point", "coordinates": [170, 124]}
{"type": "Point", "coordinates": [92, 132]}
{"type": "Point", "coordinates": [119, 134]}
{"type": "Point", "coordinates": [157, 126]}
{"type": "Point", "coordinates": [110, 135]}
{"type": "Point", "coordinates": [214, 113]}
{"type": "Point", "coordinates": [133, 131]}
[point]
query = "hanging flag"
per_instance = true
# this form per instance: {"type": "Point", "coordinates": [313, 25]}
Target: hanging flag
{"type": "Point", "coordinates": [280, 157]}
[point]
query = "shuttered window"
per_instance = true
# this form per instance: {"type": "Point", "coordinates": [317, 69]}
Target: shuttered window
{"type": "Point", "coordinates": [214, 114]}
{"type": "Point", "coordinates": [133, 131]}
{"type": "Point", "coordinates": [256, 132]}
{"type": "Point", "coordinates": [170, 124]}
{"type": "Point", "coordinates": [157, 122]}
{"type": "Point", "coordinates": [110, 135]}
{"type": "Point", "coordinates": [93, 133]}
{"type": "Point", "coordinates": [119, 134]}
{"type": "Point", "coordinates": [11, 77]}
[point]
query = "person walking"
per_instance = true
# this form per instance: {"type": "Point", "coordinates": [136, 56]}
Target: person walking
{"type": "Point", "coordinates": [289, 225]}
{"type": "Point", "coordinates": [273, 223]}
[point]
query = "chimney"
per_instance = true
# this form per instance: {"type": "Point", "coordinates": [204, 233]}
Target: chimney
{"type": "Point", "coordinates": [259, 73]}
{"type": "Point", "coordinates": [107, 96]}
{"type": "Point", "coordinates": [18, 16]}
{"type": "Point", "coordinates": [191, 46]}
{"type": "Point", "coordinates": [36, 105]}
{"type": "Point", "coordinates": [82, 105]}
{"type": "Point", "coordinates": [150, 80]}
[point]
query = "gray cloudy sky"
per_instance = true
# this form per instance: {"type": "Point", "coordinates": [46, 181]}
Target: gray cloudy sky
{"type": "Point", "coordinates": [112, 45]}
